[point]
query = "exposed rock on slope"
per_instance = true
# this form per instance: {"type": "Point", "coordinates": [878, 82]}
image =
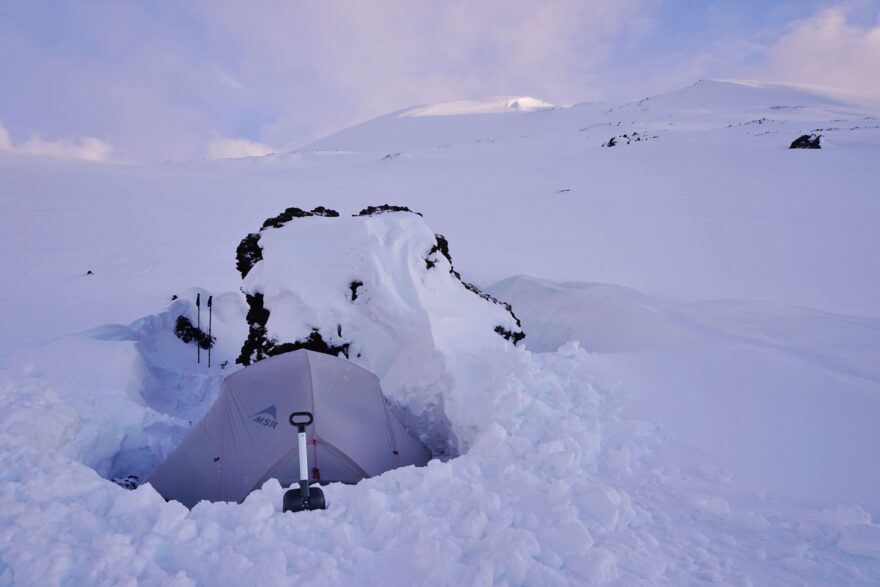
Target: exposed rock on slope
{"type": "Point", "coordinates": [806, 142]}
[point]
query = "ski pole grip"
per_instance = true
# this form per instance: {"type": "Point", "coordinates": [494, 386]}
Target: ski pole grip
{"type": "Point", "coordinates": [301, 419]}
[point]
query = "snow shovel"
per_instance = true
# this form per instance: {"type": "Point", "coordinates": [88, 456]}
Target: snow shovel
{"type": "Point", "coordinates": [304, 498]}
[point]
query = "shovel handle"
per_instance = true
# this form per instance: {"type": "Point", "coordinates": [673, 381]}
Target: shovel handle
{"type": "Point", "coordinates": [301, 419]}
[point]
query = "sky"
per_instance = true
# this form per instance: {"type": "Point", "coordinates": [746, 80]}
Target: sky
{"type": "Point", "coordinates": [155, 80]}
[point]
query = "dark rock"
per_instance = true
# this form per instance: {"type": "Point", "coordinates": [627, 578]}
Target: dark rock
{"type": "Point", "coordinates": [89, 272]}
{"type": "Point", "coordinates": [259, 345]}
{"type": "Point", "coordinates": [131, 482]}
{"type": "Point", "coordinates": [373, 210]}
{"type": "Point", "coordinates": [248, 253]}
{"type": "Point", "coordinates": [256, 345]}
{"type": "Point", "coordinates": [313, 342]}
{"type": "Point", "coordinates": [630, 138]}
{"type": "Point", "coordinates": [353, 286]}
{"type": "Point", "coordinates": [173, 297]}
{"type": "Point", "coordinates": [187, 332]}
{"type": "Point", "coordinates": [513, 337]}
{"type": "Point", "coordinates": [441, 245]}
{"type": "Point", "coordinates": [293, 212]}
{"type": "Point", "coordinates": [806, 142]}
{"type": "Point", "coordinates": [322, 211]}
{"type": "Point", "coordinates": [285, 217]}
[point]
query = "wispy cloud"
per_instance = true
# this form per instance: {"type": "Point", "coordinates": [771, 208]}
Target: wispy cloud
{"type": "Point", "coordinates": [164, 80]}
{"type": "Point", "coordinates": [5, 140]}
{"type": "Point", "coordinates": [236, 148]}
{"type": "Point", "coordinates": [161, 78]}
{"type": "Point", "coordinates": [89, 148]}
{"type": "Point", "coordinates": [829, 49]}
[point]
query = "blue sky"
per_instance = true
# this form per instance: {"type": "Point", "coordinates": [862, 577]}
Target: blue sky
{"type": "Point", "coordinates": [155, 80]}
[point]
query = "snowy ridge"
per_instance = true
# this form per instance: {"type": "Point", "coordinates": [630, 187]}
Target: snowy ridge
{"type": "Point", "coordinates": [495, 105]}
{"type": "Point", "coordinates": [727, 94]}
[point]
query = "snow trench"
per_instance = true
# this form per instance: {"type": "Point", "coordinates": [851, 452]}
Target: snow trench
{"type": "Point", "coordinates": [407, 315]}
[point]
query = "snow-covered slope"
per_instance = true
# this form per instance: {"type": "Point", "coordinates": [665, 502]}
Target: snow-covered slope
{"type": "Point", "coordinates": [718, 96]}
{"type": "Point", "coordinates": [785, 398]}
{"type": "Point", "coordinates": [495, 105]}
{"type": "Point", "coordinates": [681, 440]}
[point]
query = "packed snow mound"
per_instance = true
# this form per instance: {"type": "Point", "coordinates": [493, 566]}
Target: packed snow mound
{"type": "Point", "coordinates": [379, 288]}
{"type": "Point", "coordinates": [494, 105]}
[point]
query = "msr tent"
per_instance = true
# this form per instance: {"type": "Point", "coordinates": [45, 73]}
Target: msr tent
{"type": "Point", "coordinates": [245, 437]}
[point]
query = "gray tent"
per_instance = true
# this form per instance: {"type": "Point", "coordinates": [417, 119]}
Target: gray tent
{"type": "Point", "coordinates": [245, 437]}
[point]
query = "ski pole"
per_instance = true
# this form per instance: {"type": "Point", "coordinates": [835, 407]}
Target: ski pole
{"type": "Point", "coordinates": [210, 340]}
{"type": "Point", "coordinates": [199, 327]}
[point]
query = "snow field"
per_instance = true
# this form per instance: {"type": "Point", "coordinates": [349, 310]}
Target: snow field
{"type": "Point", "coordinates": [635, 458]}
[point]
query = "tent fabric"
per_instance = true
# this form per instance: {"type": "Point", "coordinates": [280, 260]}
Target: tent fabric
{"type": "Point", "coordinates": [245, 438]}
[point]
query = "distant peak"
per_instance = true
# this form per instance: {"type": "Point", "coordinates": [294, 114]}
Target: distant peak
{"type": "Point", "coordinates": [494, 105]}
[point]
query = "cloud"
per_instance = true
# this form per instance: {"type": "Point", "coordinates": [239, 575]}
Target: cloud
{"type": "Point", "coordinates": [166, 80]}
{"type": "Point", "coordinates": [325, 66]}
{"type": "Point", "coordinates": [235, 148]}
{"type": "Point", "coordinates": [159, 79]}
{"type": "Point", "coordinates": [829, 49]}
{"type": "Point", "coordinates": [5, 141]}
{"type": "Point", "coordinates": [89, 148]}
